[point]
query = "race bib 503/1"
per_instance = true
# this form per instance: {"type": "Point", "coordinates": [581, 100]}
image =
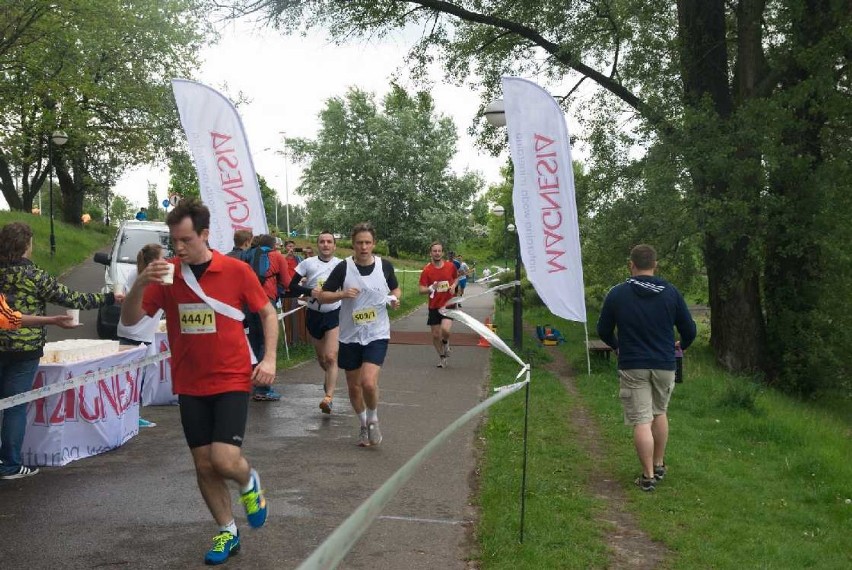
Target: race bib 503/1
{"type": "Point", "coordinates": [365, 316]}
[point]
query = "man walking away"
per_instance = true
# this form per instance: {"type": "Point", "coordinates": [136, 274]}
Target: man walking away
{"type": "Point", "coordinates": [272, 271]}
{"type": "Point", "coordinates": [644, 310]}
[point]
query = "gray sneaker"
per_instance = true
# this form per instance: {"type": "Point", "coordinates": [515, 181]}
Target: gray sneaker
{"type": "Point", "coordinates": [442, 362]}
{"type": "Point", "coordinates": [375, 434]}
{"type": "Point", "coordinates": [363, 437]}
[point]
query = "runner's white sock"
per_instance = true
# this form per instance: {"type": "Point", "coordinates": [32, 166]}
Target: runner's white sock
{"type": "Point", "coordinates": [363, 417]}
{"type": "Point", "coordinates": [230, 527]}
{"type": "Point", "coordinates": [372, 416]}
{"type": "Point", "coordinates": [250, 485]}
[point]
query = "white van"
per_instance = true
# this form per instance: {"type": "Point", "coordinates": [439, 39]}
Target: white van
{"type": "Point", "coordinates": [131, 237]}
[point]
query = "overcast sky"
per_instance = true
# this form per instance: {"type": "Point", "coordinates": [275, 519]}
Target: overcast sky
{"type": "Point", "coordinates": [289, 79]}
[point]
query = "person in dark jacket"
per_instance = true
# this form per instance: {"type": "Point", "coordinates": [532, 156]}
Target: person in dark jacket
{"type": "Point", "coordinates": [28, 289]}
{"type": "Point", "coordinates": [644, 310]}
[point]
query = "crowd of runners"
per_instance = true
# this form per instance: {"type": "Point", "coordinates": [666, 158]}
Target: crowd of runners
{"type": "Point", "coordinates": [213, 302]}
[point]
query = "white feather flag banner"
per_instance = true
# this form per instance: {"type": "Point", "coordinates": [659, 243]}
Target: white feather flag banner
{"type": "Point", "coordinates": [220, 151]}
{"type": "Point", "coordinates": [543, 197]}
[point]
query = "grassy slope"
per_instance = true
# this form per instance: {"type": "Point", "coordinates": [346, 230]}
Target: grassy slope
{"type": "Point", "coordinates": [756, 479]}
{"type": "Point", "coordinates": [73, 244]}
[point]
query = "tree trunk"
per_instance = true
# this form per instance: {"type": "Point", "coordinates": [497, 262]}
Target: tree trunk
{"type": "Point", "coordinates": [72, 189]}
{"type": "Point", "coordinates": [726, 211]}
{"type": "Point", "coordinates": [7, 184]}
{"type": "Point", "coordinates": [738, 335]}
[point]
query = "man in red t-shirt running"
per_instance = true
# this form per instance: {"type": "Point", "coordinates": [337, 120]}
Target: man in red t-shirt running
{"type": "Point", "coordinates": [211, 367]}
{"type": "Point", "coordinates": [438, 280]}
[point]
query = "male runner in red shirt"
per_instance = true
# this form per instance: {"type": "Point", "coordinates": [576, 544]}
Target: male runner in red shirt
{"type": "Point", "coordinates": [438, 280]}
{"type": "Point", "coordinates": [211, 367]}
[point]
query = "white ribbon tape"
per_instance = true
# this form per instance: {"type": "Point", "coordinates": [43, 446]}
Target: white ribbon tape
{"type": "Point", "coordinates": [291, 311]}
{"type": "Point", "coordinates": [484, 332]}
{"type": "Point", "coordinates": [467, 298]}
{"type": "Point", "coordinates": [77, 381]}
{"type": "Point", "coordinates": [334, 548]}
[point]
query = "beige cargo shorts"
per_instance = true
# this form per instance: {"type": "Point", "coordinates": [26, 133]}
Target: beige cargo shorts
{"type": "Point", "coordinates": [644, 393]}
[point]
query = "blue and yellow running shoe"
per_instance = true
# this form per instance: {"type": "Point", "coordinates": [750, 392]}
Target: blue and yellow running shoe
{"type": "Point", "coordinates": [225, 545]}
{"type": "Point", "coordinates": [255, 503]}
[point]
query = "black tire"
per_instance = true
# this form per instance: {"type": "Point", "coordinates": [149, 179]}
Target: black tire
{"type": "Point", "coordinates": [104, 330]}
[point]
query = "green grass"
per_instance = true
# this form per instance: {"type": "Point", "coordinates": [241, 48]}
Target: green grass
{"type": "Point", "coordinates": [756, 479]}
{"type": "Point", "coordinates": [73, 244]}
{"type": "Point", "coordinates": [560, 529]}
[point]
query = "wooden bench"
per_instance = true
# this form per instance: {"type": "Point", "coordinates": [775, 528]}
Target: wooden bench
{"type": "Point", "coordinates": [599, 347]}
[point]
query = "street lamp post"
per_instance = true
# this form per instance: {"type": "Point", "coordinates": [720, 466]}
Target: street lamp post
{"type": "Point", "coordinates": [495, 113]}
{"type": "Point", "coordinates": [517, 306]}
{"type": "Point", "coordinates": [286, 188]}
{"type": "Point", "coordinates": [58, 138]}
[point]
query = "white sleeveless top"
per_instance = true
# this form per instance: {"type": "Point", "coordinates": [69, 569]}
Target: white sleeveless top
{"type": "Point", "coordinates": [144, 330]}
{"type": "Point", "coordinates": [365, 318]}
{"type": "Point", "coordinates": [316, 271]}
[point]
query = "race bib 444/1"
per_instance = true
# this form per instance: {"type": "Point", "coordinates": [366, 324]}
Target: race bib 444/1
{"type": "Point", "coordinates": [196, 318]}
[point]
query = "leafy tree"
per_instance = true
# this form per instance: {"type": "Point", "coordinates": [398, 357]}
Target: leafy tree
{"type": "Point", "coordinates": [154, 211]}
{"type": "Point", "coordinates": [390, 166]}
{"type": "Point", "coordinates": [270, 201]}
{"type": "Point", "coordinates": [100, 72]}
{"type": "Point", "coordinates": [120, 209]}
{"type": "Point", "coordinates": [183, 178]}
{"type": "Point", "coordinates": [745, 103]}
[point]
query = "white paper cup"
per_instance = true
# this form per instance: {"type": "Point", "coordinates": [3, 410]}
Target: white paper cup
{"type": "Point", "coordinates": [74, 314]}
{"type": "Point", "coordinates": [169, 278]}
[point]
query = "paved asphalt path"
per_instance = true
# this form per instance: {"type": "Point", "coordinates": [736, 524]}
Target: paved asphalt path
{"type": "Point", "coordinates": [139, 507]}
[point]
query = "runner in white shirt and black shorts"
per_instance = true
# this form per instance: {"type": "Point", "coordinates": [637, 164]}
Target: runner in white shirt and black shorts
{"type": "Point", "coordinates": [323, 319]}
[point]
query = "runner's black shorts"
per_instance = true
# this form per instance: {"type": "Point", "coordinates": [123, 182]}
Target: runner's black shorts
{"type": "Point", "coordinates": [435, 317]}
{"type": "Point", "coordinates": [220, 418]}
{"type": "Point", "coordinates": [319, 323]}
{"type": "Point", "coordinates": [351, 356]}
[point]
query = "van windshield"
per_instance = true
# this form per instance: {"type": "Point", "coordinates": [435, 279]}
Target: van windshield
{"type": "Point", "coordinates": [134, 240]}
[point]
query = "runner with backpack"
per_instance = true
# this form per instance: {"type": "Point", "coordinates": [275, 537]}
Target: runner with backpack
{"type": "Point", "coordinates": [274, 274]}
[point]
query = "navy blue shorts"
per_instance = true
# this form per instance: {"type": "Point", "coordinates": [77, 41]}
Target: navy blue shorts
{"type": "Point", "coordinates": [220, 418]}
{"type": "Point", "coordinates": [351, 356]}
{"type": "Point", "coordinates": [319, 323]}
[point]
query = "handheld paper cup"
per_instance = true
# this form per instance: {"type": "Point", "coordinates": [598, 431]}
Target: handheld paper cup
{"type": "Point", "coordinates": [74, 314]}
{"type": "Point", "coordinates": [169, 278]}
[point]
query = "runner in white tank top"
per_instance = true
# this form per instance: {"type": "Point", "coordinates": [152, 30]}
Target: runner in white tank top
{"type": "Point", "coordinates": [366, 286]}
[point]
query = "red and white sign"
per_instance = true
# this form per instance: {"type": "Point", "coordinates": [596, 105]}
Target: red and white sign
{"type": "Point", "coordinates": [91, 419]}
{"type": "Point", "coordinates": [157, 385]}
{"type": "Point", "coordinates": [220, 151]}
{"type": "Point", "coordinates": [543, 197]}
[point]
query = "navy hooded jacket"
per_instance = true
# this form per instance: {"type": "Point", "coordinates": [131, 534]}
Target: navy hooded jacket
{"type": "Point", "coordinates": [645, 309]}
